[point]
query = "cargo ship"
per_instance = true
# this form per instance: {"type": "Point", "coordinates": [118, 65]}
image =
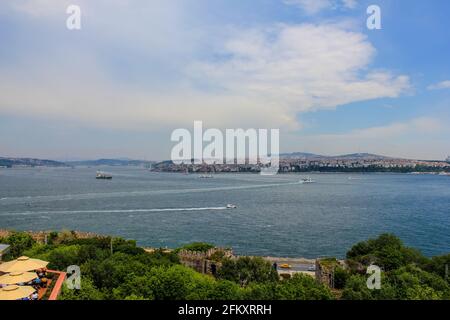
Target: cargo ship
{"type": "Point", "coordinates": [103, 175]}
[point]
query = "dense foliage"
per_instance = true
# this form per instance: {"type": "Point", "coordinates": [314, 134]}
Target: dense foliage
{"type": "Point", "coordinates": [18, 241]}
{"type": "Point", "coordinates": [406, 275]}
{"type": "Point", "coordinates": [129, 272]}
{"type": "Point", "coordinates": [245, 270]}
{"type": "Point", "coordinates": [114, 268]}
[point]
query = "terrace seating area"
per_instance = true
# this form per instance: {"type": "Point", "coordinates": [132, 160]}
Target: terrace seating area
{"type": "Point", "coordinates": [24, 279]}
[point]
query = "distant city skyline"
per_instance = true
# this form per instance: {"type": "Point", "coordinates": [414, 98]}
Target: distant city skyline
{"type": "Point", "coordinates": [137, 71]}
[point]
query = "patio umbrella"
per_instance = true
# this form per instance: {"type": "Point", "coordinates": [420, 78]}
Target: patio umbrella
{"type": "Point", "coordinates": [22, 264]}
{"type": "Point", "coordinates": [17, 277]}
{"type": "Point", "coordinates": [15, 292]}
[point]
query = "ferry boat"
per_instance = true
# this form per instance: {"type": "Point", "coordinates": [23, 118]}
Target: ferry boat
{"type": "Point", "coordinates": [103, 175]}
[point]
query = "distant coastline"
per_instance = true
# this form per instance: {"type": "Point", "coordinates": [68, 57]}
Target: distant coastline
{"type": "Point", "coordinates": [289, 163]}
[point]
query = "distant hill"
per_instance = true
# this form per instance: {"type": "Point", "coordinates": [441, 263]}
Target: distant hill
{"type": "Point", "coordinates": [29, 162]}
{"type": "Point", "coordinates": [300, 155]}
{"type": "Point", "coordinates": [361, 156]}
{"type": "Point", "coordinates": [111, 162]}
{"type": "Point", "coordinates": [306, 155]}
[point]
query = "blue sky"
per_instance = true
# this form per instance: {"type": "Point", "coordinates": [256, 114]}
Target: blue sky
{"type": "Point", "coordinates": [138, 70]}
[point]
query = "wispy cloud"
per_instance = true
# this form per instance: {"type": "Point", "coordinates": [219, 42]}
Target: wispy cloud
{"type": "Point", "coordinates": [299, 68]}
{"type": "Point", "coordinates": [441, 85]}
{"type": "Point", "coordinates": [312, 7]}
{"type": "Point", "coordinates": [351, 4]}
{"type": "Point", "coordinates": [265, 75]}
{"type": "Point", "coordinates": [158, 65]}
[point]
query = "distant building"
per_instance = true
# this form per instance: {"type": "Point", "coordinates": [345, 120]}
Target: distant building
{"type": "Point", "coordinates": [448, 159]}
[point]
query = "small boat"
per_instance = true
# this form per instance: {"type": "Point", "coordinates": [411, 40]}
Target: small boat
{"type": "Point", "coordinates": [285, 266]}
{"type": "Point", "coordinates": [206, 176]}
{"type": "Point", "coordinates": [306, 180]}
{"type": "Point", "coordinates": [103, 175]}
{"type": "Point", "coordinates": [231, 206]}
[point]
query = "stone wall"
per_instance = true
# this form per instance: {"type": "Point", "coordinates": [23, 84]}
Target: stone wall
{"type": "Point", "coordinates": [39, 236]}
{"type": "Point", "coordinates": [204, 262]}
{"type": "Point", "coordinates": [325, 271]}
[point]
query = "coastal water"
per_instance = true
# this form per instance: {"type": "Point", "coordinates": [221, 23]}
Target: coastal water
{"type": "Point", "coordinates": [275, 216]}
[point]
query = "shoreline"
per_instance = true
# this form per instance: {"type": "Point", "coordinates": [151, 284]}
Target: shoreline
{"type": "Point", "coordinates": [325, 171]}
{"type": "Point", "coordinates": [39, 236]}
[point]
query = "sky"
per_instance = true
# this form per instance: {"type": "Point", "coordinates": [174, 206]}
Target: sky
{"type": "Point", "coordinates": [137, 70]}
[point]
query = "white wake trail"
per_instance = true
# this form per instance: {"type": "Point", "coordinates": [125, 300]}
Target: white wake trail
{"type": "Point", "coordinates": [114, 211]}
{"type": "Point", "coordinates": [88, 196]}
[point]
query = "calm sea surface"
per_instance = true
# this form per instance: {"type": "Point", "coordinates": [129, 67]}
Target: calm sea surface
{"type": "Point", "coordinates": [275, 216]}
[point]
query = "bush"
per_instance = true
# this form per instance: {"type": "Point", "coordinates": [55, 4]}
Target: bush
{"type": "Point", "coordinates": [387, 251]}
{"type": "Point", "coordinates": [19, 242]}
{"type": "Point", "coordinates": [87, 292]}
{"type": "Point", "coordinates": [245, 270]}
{"type": "Point", "coordinates": [302, 287]}
{"type": "Point", "coordinates": [131, 273]}
{"type": "Point", "coordinates": [197, 246]}
{"type": "Point", "coordinates": [440, 266]}
{"type": "Point", "coordinates": [340, 277]}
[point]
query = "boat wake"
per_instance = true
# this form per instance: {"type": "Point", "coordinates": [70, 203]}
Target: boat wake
{"type": "Point", "coordinates": [113, 211]}
{"type": "Point", "coordinates": [89, 196]}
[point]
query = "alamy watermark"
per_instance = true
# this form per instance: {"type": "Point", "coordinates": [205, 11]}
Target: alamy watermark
{"type": "Point", "coordinates": [73, 22]}
{"type": "Point", "coordinates": [73, 280]}
{"type": "Point", "coordinates": [374, 280]}
{"type": "Point", "coordinates": [374, 20]}
{"type": "Point", "coordinates": [236, 146]}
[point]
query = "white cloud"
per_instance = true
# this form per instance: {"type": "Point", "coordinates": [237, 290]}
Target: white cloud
{"type": "Point", "coordinates": [301, 68]}
{"type": "Point", "coordinates": [263, 77]}
{"type": "Point", "coordinates": [440, 85]}
{"type": "Point", "coordinates": [350, 4]}
{"type": "Point", "coordinates": [312, 7]}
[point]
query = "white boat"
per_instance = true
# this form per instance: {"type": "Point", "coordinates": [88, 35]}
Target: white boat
{"type": "Point", "coordinates": [307, 180]}
{"type": "Point", "coordinates": [206, 176]}
{"type": "Point", "coordinates": [231, 206]}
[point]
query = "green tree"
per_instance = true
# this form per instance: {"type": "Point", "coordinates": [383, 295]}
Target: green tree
{"type": "Point", "coordinates": [356, 289]}
{"type": "Point", "coordinates": [245, 270]}
{"type": "Point", "coordinates": [88, 291]}
{"type": "Point", "coordinates": [302, 287]}
{"type": "Point", "coordinates": [197, 246]}
{"type": "Point", "coordinates": [387, 251]}
{"type": "Point", "coordinates": [440, 266]}
{"type": "Point", "coordinates": [412, 282]}
{"type": "Point", "coordinates": [19, 242]}
{"type": "Point", "coordinates": [225, 290]}
{"type": "Point", "coordinates": [340, 277]}
{"type": "Point", "coordinates": [173, 283]}
{"type": "Point", "coordinates": [114, 270]}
